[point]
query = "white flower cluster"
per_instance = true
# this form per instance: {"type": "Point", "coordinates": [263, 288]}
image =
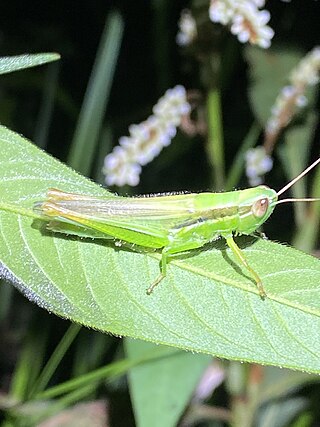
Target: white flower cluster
{"type": "Point", "coordinates": [258, 163]}
{"type": "Point", "coordinates": [187, 28]}
{"type": "Point", "coordinates": [247, 21]}
{"type": "Point", "coordinates": [307, 71]}
{"type": "Point", "coordinates": [146, 140]}
{"type": "Point", "coordinates": [292, 96]}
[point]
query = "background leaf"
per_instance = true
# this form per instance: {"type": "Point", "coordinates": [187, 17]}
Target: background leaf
{"type": "Point", "coordinates": [206, 304]}
{"type": "Point", "coordinates": [86, 135]}
{"type": "Point", "coordinates": [294, 157]}
{"type": "Point", "coordinates": [20, 62]}
{"type": "Point", "coordinates": [161, 390]}
{"type": "Point", "coordinates": [269, 72]}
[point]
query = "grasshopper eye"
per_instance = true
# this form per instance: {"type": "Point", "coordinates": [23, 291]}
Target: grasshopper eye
{"type": "Point", "coordinates": [260, 207]}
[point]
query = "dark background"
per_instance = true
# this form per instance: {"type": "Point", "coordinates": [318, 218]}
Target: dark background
{"type": "Point", "coordinates": [150, 62]}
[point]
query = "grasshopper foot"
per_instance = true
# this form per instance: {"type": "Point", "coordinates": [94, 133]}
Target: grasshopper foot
{"type": "Point", "coordinates": [154, 284]}
{"type": "Point", "coordinates": [261, 290]}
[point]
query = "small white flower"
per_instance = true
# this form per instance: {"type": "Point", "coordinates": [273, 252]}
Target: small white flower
{"type": "Point", "coordinates": [247, 22]}
{"type": "Point", "coordinates": [307, 71]}
{"type": "Point", "coordinates": [259, 3]}
{"type": "Point", "coordinates": [187, 28]}
{"type": "Point", "coordinates": [301, 101]}
{"type": "Point", "coordinates": [221, 11]}
{"type": "Point", "coordinates": [119, 170]}
{"type": "Point", "coordinates": [287, 92]}
{"type": "Point", "coordinates": [263, 17]}
{"type": "Point", "coordinates": [258, 163]}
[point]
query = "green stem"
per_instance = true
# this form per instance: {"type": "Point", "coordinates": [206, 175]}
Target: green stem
{"type": "Point", "coordinates": [112, 370]}
{"type": "Point", "coordinates": [243, 383]}
{"type": "Point", "coordinates": [307, 235]}
{"type": "Point", "coordinates": [55, 359]}
{"type": "Point", "coordinates": [23, 375]}
{"type": "Point", "coordinates": [90, 121]}
{"type": "Point", "coordinates": [24, 418]}
{"type": "Point", "coordinates": [215, 138]}
{"type": "Point", "coordinates": [237, 166]}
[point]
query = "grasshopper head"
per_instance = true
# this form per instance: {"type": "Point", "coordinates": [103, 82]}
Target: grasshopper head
{"type": "Point", "coordinates": [255, 206]}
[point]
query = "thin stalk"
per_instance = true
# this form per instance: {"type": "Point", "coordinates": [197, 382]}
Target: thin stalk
{"type": "Point", "coordinates": [294, 164]}
{"type": "Point", "coordinates": [307, 235]}
{"type": "Point", "coordinates": [237, 166]}
{"type": "Point", "coordinates": [104, 147]}
{"type": "Point", "coordinates": [243, 384]}
{"type": "Point", "coordinates": [55, 359]}
{"type": "Point", "coordinates": [86, 135]}
{"type": "Point", "coordinates": [215, 138]}
{"type": "Point", "coordinates": [106, 372]}
{"type": "Point", "coordinates": [23, 418]}
{"type": "Point", "coordinates": [24, 376]}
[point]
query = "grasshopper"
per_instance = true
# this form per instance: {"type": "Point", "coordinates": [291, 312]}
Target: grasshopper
{"type": "Point", "coordinates": [174, 223]}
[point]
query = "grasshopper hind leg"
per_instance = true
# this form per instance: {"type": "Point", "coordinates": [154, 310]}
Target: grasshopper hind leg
{"type": "Point", "coordinates": [163, 271]}
{"type": "Point", "coordinates": [177, 246]}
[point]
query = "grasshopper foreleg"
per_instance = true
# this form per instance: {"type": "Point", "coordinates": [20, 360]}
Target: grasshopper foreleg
{"type": "Point", "coordinates": [242, 259]}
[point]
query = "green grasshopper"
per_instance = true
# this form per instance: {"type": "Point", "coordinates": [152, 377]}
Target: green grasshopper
{"type": "Point", "coordinates": [173, 223]}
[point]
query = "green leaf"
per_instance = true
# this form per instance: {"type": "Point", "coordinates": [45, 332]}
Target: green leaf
{"type": "Point", "coordinates": [205, 304]}
{"type": "Point", "coordinates": [9, 64]}
{"type": "Point", "coordinates": [269, 72]}
{"type": "Point", "coordinates": [294, 157]}
{"type": "Point", "coordinates": [97, 95]}
{"type": "Point", "coordinates": [161, 390]}
{"type": "Point", "coordinates": [281, 413]}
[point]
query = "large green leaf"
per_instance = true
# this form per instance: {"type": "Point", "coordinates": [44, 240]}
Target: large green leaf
{"type": "Point", "coordinates": [206, 303]}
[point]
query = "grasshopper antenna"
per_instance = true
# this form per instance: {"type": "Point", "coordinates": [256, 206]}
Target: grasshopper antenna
{"type": "Point", "coordinates": [311, 199]}
{"type": "Point", "coordinates": [291, 183]}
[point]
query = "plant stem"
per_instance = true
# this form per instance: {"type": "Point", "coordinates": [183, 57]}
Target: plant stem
{"type": "Point", "coordinates": [237, 166]}
{"type": "Point", "coordinates": [91, 117]}
{"type": "Point", "coordinates": [55, 359]}
{"type": "Point", "coordinates": [215, 138]}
